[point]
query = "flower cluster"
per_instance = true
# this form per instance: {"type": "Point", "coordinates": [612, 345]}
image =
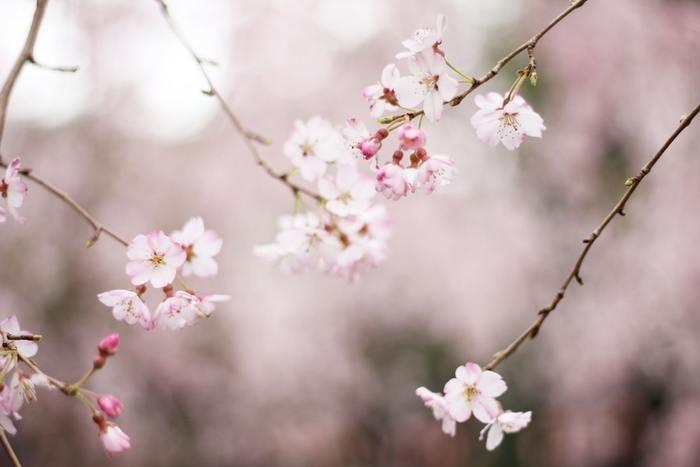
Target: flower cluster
{"type": "Point", "coordinates": [474, 391]}
{"type": "Point", "coordinates": [18, 347]}
{"type": "Point", "coordinates": [348, 232]}
{"type": "Point", "coordinates": [12, 191]}
{"type": "Point", "coordinates": [158, 259]}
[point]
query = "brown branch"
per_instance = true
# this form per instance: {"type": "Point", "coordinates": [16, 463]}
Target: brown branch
{"type": "Point", "coordinates": [528, 46]}
{"type": "Point", "coordinates": [575, 274]}
{"type": "Point", "coordinates": [97, 226]}
{"type": "Point", "coordinates": [249, 137]}
{"type": "Point", "coordinates": [7, 447]}
{"type": "Point", "coordinates": [25, 56]}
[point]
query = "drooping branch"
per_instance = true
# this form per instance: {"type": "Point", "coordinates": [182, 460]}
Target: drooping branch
{"type": "Point", "coordinates": [528, 46]}
{"type": "Point", "coordinates": [249, 137]}
{"type": "Point", "coordinates": [575, 274]}
{"type": "Point", "coordinates": [96, 225]}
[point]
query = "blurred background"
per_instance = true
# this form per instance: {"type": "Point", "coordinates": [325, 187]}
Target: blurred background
{"type": "Point", "coordinates": [313, 371]}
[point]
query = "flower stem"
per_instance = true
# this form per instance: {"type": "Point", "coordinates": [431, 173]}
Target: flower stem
{"type": "Point", "coordinates": [467, 78]}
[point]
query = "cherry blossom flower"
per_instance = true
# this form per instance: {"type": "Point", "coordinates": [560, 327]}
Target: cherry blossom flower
{"type": "Point", "coordinates": [201, 246]}
{"type": "Point", "coordinates": [436, 402]}
{"type": "Point", "coordinates": [508, 123]}
{"type": "Point", "coordinates": [178, 311]}
{"type": "Point", "coordinates": [428, 83]}
{"type": "Point", "coordinates": [436, 171]}
{"type": "Point", "coordinates": [11, 400]}
{"type": "Point", "coordinates": [127, 306]}
{"type": "Point", "coordinates": [424, 39]}
{"type": "Point", "coordinates": [474, 391]}
{"type": "Point", "coordinates": [110, 405]}
{"type": "Point", "coordinates": [395, 181]}
{"type": "Point", "coordinates": [299, 243]}
{"type": "Point", "coordinates": [382, 96]}
{"type": "Point", "coordinates": [348, 192]}
{"type": "Point", "coordinates": [359, 139]}
{"type": "Point", "coordinates": [312, 146]}
{"type": "Point", "coordinates": [109, 344]}
{"type": "Point", "coordinates": [411, 137]}
{"type": "Point", "coordinates": [12, 191]}
{"type": "Point", "coordinates": [364, 238]}
{"type": "Point", "coordinates": [114, 440]}
{"type": "Point", "coordinates": [155, 258]}
{"type": "Point", "coordinates": [26, 349]}
{"type": "Point", "coordinates": [505, 422]}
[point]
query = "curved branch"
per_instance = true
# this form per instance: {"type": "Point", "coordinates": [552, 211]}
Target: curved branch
{"type": "Point", "coordinates": [528, 46]}
{"type": "Point", "coordinates": [25, 56]}
{"type": "Point", "coordinates": [249, 137]}
{"type": "Point", "coordinates": [575, 274]}
{"type": "Point", "coordinates": [96, 225]}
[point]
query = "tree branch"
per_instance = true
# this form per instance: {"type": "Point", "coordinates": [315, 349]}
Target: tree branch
{"type": "Point", "coordinates": [249, 137]}
{"type": "Point", "coordinates": [97, 226]}
{"type": "Point", "coordinates": [7, 447]}
{"type": "Point", "coordinates": [528, 45]}
{"type": "Point", "coordinates": [575, 274]}
{"type": "Point", "coordinates": [25, 56]}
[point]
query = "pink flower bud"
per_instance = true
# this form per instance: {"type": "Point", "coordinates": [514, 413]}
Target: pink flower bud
{"type": "Point", "coordinates": [113, 439]}
{"type": "Point", "coordinates": [411, 137]}
{"type": "Point", "coordinates": [370, 147]}
{"type": "Point", "coordinates": [108, 345]}
{"type": "Point", "coordinates": [110, 405]}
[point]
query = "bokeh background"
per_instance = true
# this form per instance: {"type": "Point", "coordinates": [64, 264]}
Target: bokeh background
{"type": "Point", "coordinates": [313, 371]}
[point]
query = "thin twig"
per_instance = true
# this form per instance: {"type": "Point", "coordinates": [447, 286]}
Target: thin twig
{"type": "Point", "coordinates": [25, 56]}
{"type": "Point", "coordinates": [59, 68]}
{"type": "Point", "coordinates": [528, 45]}
{"type": "Point", "coordinates": [8, 449]}
{"type": "Point", "coordinates": [249, 137]}
{"type": "Point", "coordinates": [575, 274]}
{"type": "Point", "coordinates": [97, 226]}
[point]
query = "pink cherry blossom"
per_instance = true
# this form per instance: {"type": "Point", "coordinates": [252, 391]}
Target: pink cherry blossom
{"type": "Point", "coordinates": [110, 405]}
{"type": "Point", "coordinates": [359, 139]}
{"type": "Point", "coordinates": [411, 137]}
{"type": "Point", "coordinates": [155, 258]}
{"type": "Point", "coordinates": [12, 191]}
{"type": "Point", "coordinates": [508, 123]}
{"type": "Point", "coordinates": [114, 440]}
{"type": "Point", "coordinates": [201, 246]}
{"type": "Point", "coordinates": [382, 96]}
{"type": "Point", "coordinates": [11, 401]}
{"type": "Point", "coordinates": [505, 422]}
{"type": "Point", "coordinates": [109, 344]}
{"type": "Point", "coordinates": [348, 192]}
{"type": "Point", "coordinates": [428, 83]}
{"type": "Point", "coordinates": [127, 306]}
{"type": "Point", "coordinates": [302, 238]}
{"type": "Point", "coordinates": [178, 311]}
{"type": "Point", "coordinates": [424, 39]}
{"type": "Point", "coordinates": [436, 171]}
{"type": "Point", "coordinates": [26, 349]}
{"type": "Point", "coordinates": [474, 390]}
{"type": "Point", "coordinates": [312, 146]}
{"type": "Point", "coordinates": [395, 181]}
{"type": "Point", "coordinates": [436, 402]}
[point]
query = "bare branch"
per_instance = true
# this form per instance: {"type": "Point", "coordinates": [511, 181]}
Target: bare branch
{"type": "Point", "coordinates": [7, 447]}
{"type": "Point", "coordinates": [249, 137]}
{"type": "Point", "coordinates": [25, 56]}
{"type": "Point", "coordinates": [61, 69]}
{"type": "Point", "coordinates": [575, 274]}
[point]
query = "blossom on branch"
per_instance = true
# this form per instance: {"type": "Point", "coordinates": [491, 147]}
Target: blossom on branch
{"type": "Point", "coordinates": [506, 122]}
{"type": "Point", "coordinates": [312, 146]}
{"type": "Point", "coordinates": [436, 402]}
{"type": "Point", "coordinates": [382, 96]}
{"type": "Point", "coordinates": [127, 306]}
{"type": "Point", "coordinates": [12, 191]}
{"type": "Point", "coordinates": [425, 39]}
{"type": "Point", "coordinates": [428, 83]}
{"type": "Point", "coordinates": [349, 192]}
{"type": "Point", "coordinates": [154, 258]}
{"type": "Point", "coordinates": [26, 348]}
{"type": "Point", "coordinates": [200, 245]}
{"type": "Point", "coordinates": [505, 422]}
{"type": "Point", "coordinates": [474, 391]}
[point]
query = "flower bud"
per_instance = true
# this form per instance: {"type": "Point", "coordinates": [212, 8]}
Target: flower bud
{"type": "Point", "coordinates": [398, 155]}
{"type": "Point", "coordinates": [113, 439]}
{"type": "Point", "coordinates": [381, 133]}
{"type": "Point", "coordinates": [98, 362]}
{"type": "Point", "coordinates": [411, 137]}
{"type": "Point", "coordinates": [370, 147]}
{"type": "Point", "coordinates": [110, 405]}
{"type": "Point", "coordinates": [108, 345]}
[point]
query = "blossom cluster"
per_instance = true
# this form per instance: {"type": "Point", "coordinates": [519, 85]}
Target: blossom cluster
{"type": "Point", "coordinates": [18, 346]}
{"type": "Point", "coordinates": [474, 391]}
{"type": "Point", "coordinates": [348, 232]}
{"type": "Point", "coordinates": [158, 259]}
